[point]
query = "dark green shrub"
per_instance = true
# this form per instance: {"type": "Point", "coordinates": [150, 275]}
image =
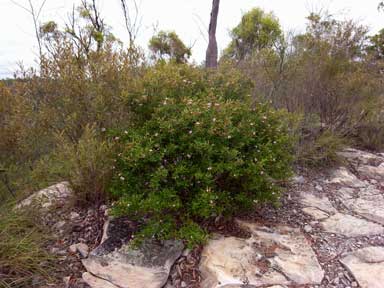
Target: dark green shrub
{"type": "Point", "coordinates": [178, 81]}
{"type": "Point", "coordinates": [199, 159]}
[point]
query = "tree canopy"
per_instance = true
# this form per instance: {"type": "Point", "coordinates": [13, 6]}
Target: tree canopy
{"type": "Point", "coordinates": [376, 46]}
{"type": "Point", "coordinates": [168, 46]}
{"type": "Point", "coordinates": [257, 30]}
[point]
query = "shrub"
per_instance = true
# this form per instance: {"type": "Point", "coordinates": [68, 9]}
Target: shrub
{"type": "Point", "coordinates": [320, 149]}
{"type": "Point", "coordinates": [370, 135]}
{"type": "Point", "coordinates": [199, 159]}
{"type": "Point", "coordinates": [177, 81]}
{"type": "Point", "coordinates": [330, 71]}
{"type": "Point", "coordinates": [87, 165]}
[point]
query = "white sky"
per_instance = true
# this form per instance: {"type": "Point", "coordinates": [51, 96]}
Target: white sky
{"type": "Point", "coordinates": [186, 17]}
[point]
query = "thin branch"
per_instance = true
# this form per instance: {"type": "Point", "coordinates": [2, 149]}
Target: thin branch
{"type": "Point", "coordinates": [132, 25]}
{"type": "Point", "coordinates": [20, 6]}
{"type": "Point", "coordinates": [199, 25]}
{"type": "Point", "coordinates": [41, 8]}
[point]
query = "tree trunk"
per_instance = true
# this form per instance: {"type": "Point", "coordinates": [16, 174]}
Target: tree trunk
{"type": "Point", "coordinates": [212, 53]}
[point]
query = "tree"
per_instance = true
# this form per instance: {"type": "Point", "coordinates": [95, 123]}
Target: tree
{"type": "Point", "coordinates": [212, 54]}
{"type": "Point", "coordinates": [256, 31]}
{"type": "Point", "coordinates": [168, 46]}
{"type": "Point", "coordinates": [376, 47]}
{"type": "Point", "coordinates": [85, 28]}
{"type": "Point", "coordinates": [333, 38]}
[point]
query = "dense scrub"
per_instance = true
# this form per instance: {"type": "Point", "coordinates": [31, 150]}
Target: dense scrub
{"type": "Point", "coordinates": [199, 159]}
{"type": "Point", "coordinates": [331, 75]}
{"type": "Point", "coordinates": [159, 136]}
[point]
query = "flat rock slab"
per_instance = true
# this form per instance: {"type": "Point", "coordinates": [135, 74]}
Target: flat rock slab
{"type": "Point", "coordinates": [251, 286]}
{"type": "Point", "coordinates": [124, 266]}
{"type": "Point", "coordinates": [343, 176]}
{"type": "Point", "coordinates": [367, 202]}
{"type": "Point", "coordinates": [359, 157]}
{"type": "Point", "coordinates": [96, 282]}
{"type": "Point", "coordinates": [315, 213]}
{"type": "Point", "coordinates": [48, 196]}
{"type": "Point", "coordinates": [317, 207]}
{"type": "Point", "coordinates": [372, 172]}
{"type": "Point", "coordinates": [367, 266]}
{"type": "Point", "coordinates": [350, 226]}
{"type": "Point", "coordinates": [281, 256]}
{"type": "Point", "coordinates": [322, 203]}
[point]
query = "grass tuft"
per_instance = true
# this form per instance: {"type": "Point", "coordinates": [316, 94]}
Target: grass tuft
{"type": "Point", "coordinates": [23, 261]}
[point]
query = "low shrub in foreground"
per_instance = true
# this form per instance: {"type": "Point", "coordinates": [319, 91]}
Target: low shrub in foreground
{"type": "Point", "coordinates": [320, 150]}
{"type": "Point", "coordinates": [197, 160]}
{"type": "Point", "coordinates": [317, 145]}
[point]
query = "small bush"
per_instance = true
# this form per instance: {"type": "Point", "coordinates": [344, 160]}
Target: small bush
{"type": "Point", "coordinates": [320, 149]}
{"type": "Point", "coordinates": [370, 136]}
{"type": "Point", "coordinates": [87, 165]}
{"type": "Point", "coordinates": [199, 159]}
{"type": "Point", "coordinates": [370, 133]}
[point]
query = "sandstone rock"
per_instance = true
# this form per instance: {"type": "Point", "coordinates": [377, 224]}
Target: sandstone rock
{"type": "Point", "coordinates": [80, 248]}
{"type": "Point", "coordinates": [350, 226]}
{"type": "Point", "coordinates": [250, 286]}
{"type": "Point", "coordinates": [321, 203]}
{"type": "Point", "coordinates": [298, 179]}
{"type": "Point", "coordinates": [74, 216]}
{"type": "Point", "coordinates": [317, 207]}
{"type": "Point", "coordinates": [346, 193]}
{"type": "Point", "coordinates": [66, 281]}
{"type": "Point", "coordinates": [359, 157]}
{"type": "Point", "coordinates": [95, 282]}
{"type": "Point", "coordinates": [315, 213]}
{"type": "Point", "coordinates": [72, 249]}
{"type": "Point", "coordinates": [370, 207]}
{"type": "Point", "coordinates": [83, 249]}
{"type": "Point", "coordinates": [47, 197]}
{"type": "Point", "coordinates": [344, 177]}
{"type": "Point", "coordinates": [372, 172]}
{"type": "Point", "coordinates": [308, 228]}
{"type": "Point", "coordinates": [281, 256]}
{"type": "Point", "coordinates": [105, 229]}
{"type": "Point", "coordinates": [367, 202]}
{"type": "Point", "coordinates": [124, 266]}
{"type": "Point", "coordinates": [367, 266]}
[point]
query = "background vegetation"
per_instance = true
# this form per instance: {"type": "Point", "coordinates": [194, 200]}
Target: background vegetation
{"type": "Point", "coordinates": [116, 124]}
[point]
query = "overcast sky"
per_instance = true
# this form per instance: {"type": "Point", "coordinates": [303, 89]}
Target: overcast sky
{"type": "Point", "coordinates": [189, 18]}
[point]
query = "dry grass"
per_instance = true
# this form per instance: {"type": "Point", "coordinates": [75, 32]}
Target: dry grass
{"type": "Point", "coordinates": [23, 261]}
